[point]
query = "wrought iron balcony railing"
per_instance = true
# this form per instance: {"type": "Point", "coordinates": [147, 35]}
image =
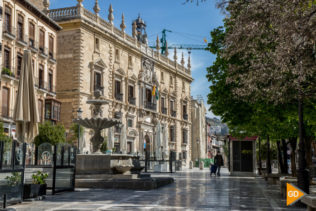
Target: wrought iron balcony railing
{"type": "Point", "coordinates": [173, 113]}
{"type": "Point", "coordinates": [164, 110]}
{"type": "Point", "coordinates": [185, 116]}
{"type": "Point", "coordinates": [132, 100]}
{"type": "Point", "coordinates": [150, 105]}
{"type": "Point", "coordinates": [119, 96]}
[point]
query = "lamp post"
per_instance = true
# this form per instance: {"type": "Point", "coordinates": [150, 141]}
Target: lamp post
{"type": "Point", "coordinates": [79, 113]}
{"type": "Point", "coordinates": [161, 152]}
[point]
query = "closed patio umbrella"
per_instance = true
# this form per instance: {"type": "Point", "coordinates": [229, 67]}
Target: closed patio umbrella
{"type": "Point", "coordinates": [26, 112]}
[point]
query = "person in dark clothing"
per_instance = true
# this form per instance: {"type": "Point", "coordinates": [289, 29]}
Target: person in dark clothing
{"type": "Point", "coordinates": [218, 161]}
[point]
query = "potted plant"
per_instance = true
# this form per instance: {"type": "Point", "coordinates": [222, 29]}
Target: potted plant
{"type": "Point", "coordinates": [38, 187]}
{"type": "Point", "coordinates": [14, 182]}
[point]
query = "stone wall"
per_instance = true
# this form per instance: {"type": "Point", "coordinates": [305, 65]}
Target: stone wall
{"type": "Point", "coordinates": [37, 3]}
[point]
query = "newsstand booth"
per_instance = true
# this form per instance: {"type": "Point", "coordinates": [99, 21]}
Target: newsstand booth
{"type": "Point", "coordinates": [242, 156]}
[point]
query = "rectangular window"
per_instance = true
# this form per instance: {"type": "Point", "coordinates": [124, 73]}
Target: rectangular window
{"type": "Point", "coordinates": [50, 81]}
{"type": "Point", "coordinates": [148, 95]}
{"type": "Point", "coordinates": [40, 110]}
{"type": "Point", "coordinates": [7, 20]}
{"type": "Point", "coordinates": [97, 81]}
{"type": "Point", "coordinates": [6, 58]}
{"type": "Point", "coordinates": [130, 123]}
{"type": "Point", "coordinates": [171, 105]}
{"type": "Point", "coordinates": [51, 47]}
{"type": "Point", "coordinates": [20, 28]}
{"type": "Point", "coordinates": [117, 87]}
{"type": "Point", "coordinates": [129, 147]}
{"type": "Point", "coordinates": [97, 44]}
{"type": "Point", "coordinates": [184, 136]}
{"type": "Point", "coordinates": [161, 76]}
{"type": "Point", "coordinates": [32, 34]}
{"type": "Point", "coordinates": [5, 102]}
{"type": "Point", "coordinates": [130, 91]}
{"type": "Point", "coordinates": [19, 65]}
{"type": "Point", "coordinates": [41, 77]}
{"type": "Point", "coordinates": [172, 134]}
{"type": "Point", "coordinates": [184, 155]}
{"type": "Point", "coordinates": [42, 41]}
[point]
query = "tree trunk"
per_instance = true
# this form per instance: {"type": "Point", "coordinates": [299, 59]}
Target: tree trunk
{"type": "Point", "coordinates": [302, 173]}
{"type": "Point", "coordinates": [293, 142]}
{"type": "Point", "coordinates": [280, 158]}
{"type": "Point", "coordinates": [285, 165]}
{"type": "Point", "coordinates": [260, 163]}
{"type": "Point", "coordinates": [269, 170]}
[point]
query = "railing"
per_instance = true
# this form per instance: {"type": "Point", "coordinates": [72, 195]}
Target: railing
{"type": "Point", "coordinates": [90, 15]}
{"type": "Point", "coordinates": [63, 13]}
{"type": "Point", "coordinates": [173, 113]}
{"type": "Point", "coordinates": [8, 71]}
{"type": "Point", "coordinates": [185, 116]}
{"type": "Point", "coordinates": [33, 44]}
{"type": "Point", "coordinates": [52, 56]}
{"type": "Point", "coordinates": [150, 105]}
{"type": "Point", "coordinates": [43, 50]}
{"type": "Point", "coordinates": [41, 84]}
{"type": "Point", "coordinates": [22, 37]}
{"type": "Point", "coordinates": [132, 100]}
{"type": "Point", "coordinates": [119, 96]}
{"type": "Point", "coordinates": [164, 110]}
{"type": "Point", "coordinates": [9, 30]}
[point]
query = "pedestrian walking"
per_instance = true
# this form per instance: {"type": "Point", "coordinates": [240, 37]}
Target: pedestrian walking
{"type": "Point", "coordinates": [212, 167]}
{"type": "Point", "coordinates": [218, 161]}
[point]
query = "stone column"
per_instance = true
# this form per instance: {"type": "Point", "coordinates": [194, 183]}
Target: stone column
{"type": "Point", "coordinates": [123, 141]}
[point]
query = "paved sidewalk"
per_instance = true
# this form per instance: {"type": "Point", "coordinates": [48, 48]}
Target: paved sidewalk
{"type": "Point", "coordinates": [192, 190]}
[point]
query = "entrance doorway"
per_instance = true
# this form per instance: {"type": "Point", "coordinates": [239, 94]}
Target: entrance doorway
{"type": "Point", "coordinates": [243, 156]}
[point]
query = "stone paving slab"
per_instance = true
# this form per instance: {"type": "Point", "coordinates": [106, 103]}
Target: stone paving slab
{"type": "Point", "coordinates": [192, 190]}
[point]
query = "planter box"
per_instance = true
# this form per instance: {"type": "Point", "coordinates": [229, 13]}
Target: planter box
{"type": "Point", "coordinates": [34, 190]}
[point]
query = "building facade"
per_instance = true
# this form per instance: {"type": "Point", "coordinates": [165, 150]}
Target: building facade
{"type": "Point", "coordinates": [26, 27]}
{"type": "Point", "coordinates": [147, 91]}
{"type": "Point", "coordinates": [198, 140]}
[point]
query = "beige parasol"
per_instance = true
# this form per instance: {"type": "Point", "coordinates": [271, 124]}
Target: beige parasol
{"type": "Point", "coordinates": [26, 112]}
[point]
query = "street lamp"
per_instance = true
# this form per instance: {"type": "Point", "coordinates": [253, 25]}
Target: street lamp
{"type": "Point", "coordinates": [79, 113]}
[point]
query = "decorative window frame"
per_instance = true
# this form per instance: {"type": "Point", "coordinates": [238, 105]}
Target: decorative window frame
{"type": "Point", "coordinates": [97, 66]}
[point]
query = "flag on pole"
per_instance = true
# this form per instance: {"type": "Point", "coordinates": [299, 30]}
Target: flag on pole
{"type": "Point", "coordinates": [157, 94]}
{"type": "Point", "coordinates": [154, 91]}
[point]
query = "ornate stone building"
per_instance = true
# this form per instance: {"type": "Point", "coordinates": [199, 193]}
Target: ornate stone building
{"type": "Point", "coordinates": [198, 140]}
{"type": "Point", "coordinates": [26, 27]}
{"type": "Point", "coordinates": [148, 92]}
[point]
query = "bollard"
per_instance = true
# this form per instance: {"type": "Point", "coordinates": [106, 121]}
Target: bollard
{"type": "Point", "coordinates": [4, 201]}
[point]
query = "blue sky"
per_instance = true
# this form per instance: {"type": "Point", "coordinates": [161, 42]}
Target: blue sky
{"type": "Point", "coordinates": [190, 25]}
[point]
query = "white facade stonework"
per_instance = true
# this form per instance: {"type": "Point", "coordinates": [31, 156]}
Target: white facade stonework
{"type": "Point", "coordinates": [93, 54]}
{"type": "Point", "coordinates": [199, 138]}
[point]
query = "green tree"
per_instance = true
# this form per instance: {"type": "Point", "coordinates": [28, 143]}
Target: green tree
{"type": "Point", "coordinates": [49, 133]}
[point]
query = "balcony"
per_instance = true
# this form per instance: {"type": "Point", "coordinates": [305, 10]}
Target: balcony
{"type": "Point", "coordinates": [33, 45]}
{"type": "Point", "coordinates": [132, 100]}
{"type": "Point", "coordinates": [43, 51]}
{"type": "Point", "coordinates": [9, 31]}
{"type": "Point", "coordinates": [164, 110]}
{"type": "Point", "coordinates": [173, 113]}
{"type": "Point", "coordinates": [150, 105]}
{"type": "Point", "coordinates": [21, 38]}
{"type": "Point", "coordinates": [119, 96]}
{"type": "Point", "coordinates": [7, 72]}
{"type": "Point", "coordinates": [52, 57]}
{"type": "Point", "coordinates": [185, 116]}
{"type": "Point", "coordinates": [41, 84]}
